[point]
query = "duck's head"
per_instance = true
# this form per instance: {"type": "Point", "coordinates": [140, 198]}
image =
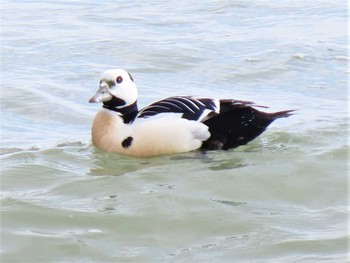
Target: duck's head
{"type": "Point", "coordinates": [117, 90]}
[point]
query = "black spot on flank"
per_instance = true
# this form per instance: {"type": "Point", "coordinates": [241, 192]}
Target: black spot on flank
{"type": "Point", "coordinates": [127, 142]}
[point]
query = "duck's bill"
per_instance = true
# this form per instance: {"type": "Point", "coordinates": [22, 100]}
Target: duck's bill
{"type": "Point", "coordinates": [101, 95]}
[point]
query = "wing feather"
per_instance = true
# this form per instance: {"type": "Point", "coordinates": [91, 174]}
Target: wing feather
{"type": "Point", "coordinates": [191, 108]}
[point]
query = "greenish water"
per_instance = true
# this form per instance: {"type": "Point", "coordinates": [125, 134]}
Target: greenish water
{"type": "Point", "coordinates": [281, 198]}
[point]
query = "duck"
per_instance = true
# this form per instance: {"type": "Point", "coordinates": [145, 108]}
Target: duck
{"type": "Point", "coordinates": [173, 125]}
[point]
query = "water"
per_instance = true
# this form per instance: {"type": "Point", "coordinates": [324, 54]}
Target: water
{"type": "Point", "coordinates": [281, 198]}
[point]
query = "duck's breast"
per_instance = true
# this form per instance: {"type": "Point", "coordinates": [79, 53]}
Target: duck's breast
{"type": "Point", "coordinates": [146, 137]}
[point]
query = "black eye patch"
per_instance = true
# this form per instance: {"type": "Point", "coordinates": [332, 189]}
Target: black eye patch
{"type": "Point", "coordinates": [119, 79]}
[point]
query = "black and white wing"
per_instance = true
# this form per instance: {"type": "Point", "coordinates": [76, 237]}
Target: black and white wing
{"type": "Point", "coordinates": [190, 108]}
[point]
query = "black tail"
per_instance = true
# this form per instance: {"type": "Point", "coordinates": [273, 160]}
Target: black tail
{"type": "Point", "coordinates": [280, 114]}
{"type": "Point", "coordinates": [238, 126]}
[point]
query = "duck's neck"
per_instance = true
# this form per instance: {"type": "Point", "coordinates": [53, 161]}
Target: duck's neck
{"type": "Point", "coordinates": [128, 112]}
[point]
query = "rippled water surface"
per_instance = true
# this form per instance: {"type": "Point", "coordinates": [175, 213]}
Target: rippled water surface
{"type": "Point", "coordinates": [281, 198]}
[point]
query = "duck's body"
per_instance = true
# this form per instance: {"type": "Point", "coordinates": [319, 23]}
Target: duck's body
{"type": "Point", "coordinates": [146, 137]}
{"type": "Point", "coordinates": [173, 125]}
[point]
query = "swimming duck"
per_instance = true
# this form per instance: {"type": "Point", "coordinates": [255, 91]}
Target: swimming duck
{"type": "Point", "coordinates": [173, 125]}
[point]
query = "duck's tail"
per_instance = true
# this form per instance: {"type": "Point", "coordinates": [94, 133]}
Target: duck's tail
{"type": "Point", "coordinates": [239, 126]}
{"type": "Point", "coordinates": [281, 114]}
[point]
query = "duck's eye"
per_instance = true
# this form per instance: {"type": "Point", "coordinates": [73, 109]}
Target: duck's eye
{"type": "Point", "coordinates": [119, 79]}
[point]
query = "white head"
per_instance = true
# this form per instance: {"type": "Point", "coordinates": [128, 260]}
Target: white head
{"type": "Point", "coordinates": [117, 89]}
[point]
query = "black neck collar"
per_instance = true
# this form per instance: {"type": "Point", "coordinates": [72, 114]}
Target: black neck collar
{"type": "Point", "coordinates": [128, 113]}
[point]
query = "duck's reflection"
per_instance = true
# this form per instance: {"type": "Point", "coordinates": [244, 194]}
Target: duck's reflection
{"type": "Point", "coordinates": [104, 163]}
